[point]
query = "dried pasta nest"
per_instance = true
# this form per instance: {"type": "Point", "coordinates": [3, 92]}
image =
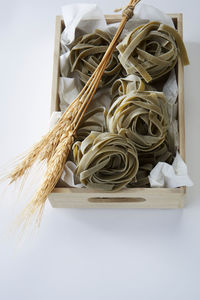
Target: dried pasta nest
{"type": "Point", "coordinates": [126, 85]}
{"type": "Point", "coordinates": [148, 160]}
{"type": "Point", "coordinates": [106, 161]}
{"type": "Point", "coordinates": [151, 50]}
{"type": "Point", "coordinates": [87, 53]}
{"type": "Point", "coordinates": [140, 116]}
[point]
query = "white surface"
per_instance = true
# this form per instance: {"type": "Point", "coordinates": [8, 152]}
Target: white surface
{"type": "Point", "coordinates": [92, 254]}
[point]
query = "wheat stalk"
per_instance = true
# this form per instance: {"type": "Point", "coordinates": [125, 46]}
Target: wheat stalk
{"type": "Point", "coordinates": [54, 147]}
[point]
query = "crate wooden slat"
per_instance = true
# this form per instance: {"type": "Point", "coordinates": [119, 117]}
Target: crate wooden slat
{"type": "Point", "coordinates": [126, 198]}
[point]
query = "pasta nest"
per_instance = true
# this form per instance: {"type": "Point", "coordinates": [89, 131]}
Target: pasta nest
{"type": "Point", "coordinates": [140, 116]}
{"type": "Point", "coordinates": [123, 86]}
{"type": "Point", "coordinates": [106, 161]}
{"type": "Point", "coordinates": [88, 51]}
{"type": "Point", "coordinates": [151, 50]}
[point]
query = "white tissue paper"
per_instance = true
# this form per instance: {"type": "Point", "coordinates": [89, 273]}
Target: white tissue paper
{"type": "Point", "coordinates": [170, 176]}
{"type": "Point", "coordinates": [55, 116]}
{"type": "Point", "coordinates": [69, 177]}
{"type": "Point", "coordinates": [82, 18]}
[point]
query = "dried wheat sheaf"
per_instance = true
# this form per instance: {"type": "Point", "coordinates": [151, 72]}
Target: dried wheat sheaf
{"type": "Point", "coordinates": [51, 152]}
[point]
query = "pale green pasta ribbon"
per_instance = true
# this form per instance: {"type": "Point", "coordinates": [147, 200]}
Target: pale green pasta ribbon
{"type": "Point", "coordinates": [93, 120]}
{"type": "Point", "coordinates": [87, 53]}
{"type": "Point", "coordinates": [140, 116]}
{"type": "Point", "coordinates": [151, 50]}
{"type": "Point", "coordinates": [147, 161]}
{"type": "Point", "coordinates": [126, 85]}
{"type": "Point", "coordinates": [106, 161]}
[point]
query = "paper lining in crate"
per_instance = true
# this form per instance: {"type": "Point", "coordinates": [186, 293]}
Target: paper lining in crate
{"type": "Point", "coordinates": [127, 197]}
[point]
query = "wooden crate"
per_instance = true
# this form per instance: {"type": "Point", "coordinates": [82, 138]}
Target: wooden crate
{"type": "Point", "coordinates": [130, 197]}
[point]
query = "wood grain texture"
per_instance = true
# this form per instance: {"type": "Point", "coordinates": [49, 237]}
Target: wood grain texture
{"type": "Point", "coordinates": [126, 198]}
{"type": "Point", "coordinates": [56, 66]}
{"type": "Point", "coordinates": [181, 111]}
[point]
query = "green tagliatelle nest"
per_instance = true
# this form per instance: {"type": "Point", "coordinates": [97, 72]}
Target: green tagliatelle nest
{"type": "Point", "coordinates": [106, 161]}
{"type": "Point", "coordinates": [140, 116]}
{"type": "Point", "coordinates": [151, 50]}
{"type": "Point", "coordinates": [87, 53]}
{"type": "Point", "coordinates": [126, 85]}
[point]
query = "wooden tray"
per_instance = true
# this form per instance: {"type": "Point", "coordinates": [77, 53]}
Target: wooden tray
{"type": "Point", "coordinates": [130, 197]}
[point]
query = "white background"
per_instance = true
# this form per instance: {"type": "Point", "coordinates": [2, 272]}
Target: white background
{"type": "Point", "coordinates": [91, 254]}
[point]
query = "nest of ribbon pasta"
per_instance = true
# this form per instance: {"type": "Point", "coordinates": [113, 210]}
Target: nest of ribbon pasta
{"type": "Point", "coordinates": [151, 51]}
{"type": "Point", "coordinates": [141, 116]}
{"type": "Point", "coordinates": [87, 53]}
{"type": "Point", "coordinates": [106, 161]}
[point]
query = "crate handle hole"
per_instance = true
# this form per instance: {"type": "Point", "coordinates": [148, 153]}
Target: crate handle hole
{"type": "Point", "coordinates": [116, 200]}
